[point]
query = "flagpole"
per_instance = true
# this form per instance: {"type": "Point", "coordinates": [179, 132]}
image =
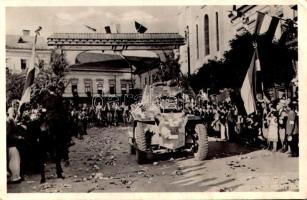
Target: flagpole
{"type": "Point", "coordinates": [26, 88]}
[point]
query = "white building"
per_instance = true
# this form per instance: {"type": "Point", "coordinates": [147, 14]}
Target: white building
{"type": "Point", "coordinates": [209, 30]}
{"type": "Point", "coordinates": [19, 50]}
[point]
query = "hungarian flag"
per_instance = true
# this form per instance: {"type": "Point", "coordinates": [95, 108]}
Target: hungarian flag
{"type": "Point", "coordinates": [26, 94]}
{"type": "Point", "coordinates": [248, 88]}
{"type": "Point", "coordinates": [269, 25]}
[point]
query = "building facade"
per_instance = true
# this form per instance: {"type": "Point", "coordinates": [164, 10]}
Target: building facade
{"type": "Point", "coordinates": [98, 75]}
{"type": "Point", "coordinates": [245, 16]}
{"type": "Point", "coordinates": [207, 30]}
{"type": "Point", "coordinates": [244, 19]}
{"type": "Point", "coordinates": [107, 75]}
{"type": "Point", "coordinates": [19, 50]}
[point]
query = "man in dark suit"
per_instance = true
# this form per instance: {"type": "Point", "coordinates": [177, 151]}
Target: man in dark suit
{"type": "Point", "coordinates": [56, 118]}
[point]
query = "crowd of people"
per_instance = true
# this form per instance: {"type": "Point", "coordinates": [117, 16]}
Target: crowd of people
{"type": "Point", "coordinates": [42, 130]}
{"type": "Point", "coordinates": [273, 125]}
{"type": "Point", "coordinates": [105, 113]}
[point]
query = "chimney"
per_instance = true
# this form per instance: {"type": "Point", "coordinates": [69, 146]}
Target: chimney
{"type": "Point", "coordinates": [25, 32]}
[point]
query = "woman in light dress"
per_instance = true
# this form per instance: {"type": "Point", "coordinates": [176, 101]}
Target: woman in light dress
{"type": "Point", "coordinates": [273, 129]}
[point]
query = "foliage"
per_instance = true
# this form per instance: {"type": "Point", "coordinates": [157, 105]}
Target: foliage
{"type": "Point", "coordinates": [14, 85]}
{"type": "Point", "coordinates": [237, 60]}
{"type": "Point", "coordinates": [170, 69]}
{"type": "Point", "coordinates": [207, 76]}
{"type": "Point", "coordinates": [51, 75]}
{"type": "Point", "coordinates": [229, 72]}
{"type": "Point", "coordinates": [58, 63]}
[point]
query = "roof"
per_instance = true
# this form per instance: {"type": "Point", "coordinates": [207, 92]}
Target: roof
{"type": "Point", "coordinates": [25, 42]}
{"type": "Point", "coordinates": [88, 57]}
{"type": "Point", "coordinates": [107, 66]}
{"type": "Point", "coordinates": [89, 61]}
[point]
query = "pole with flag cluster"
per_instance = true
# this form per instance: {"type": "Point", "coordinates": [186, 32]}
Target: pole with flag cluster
{"type": "Point", "coordinates": [248, 88]}
{"type": "Point", "coordinates": [30, 75]}
{"type": "Point", "coordinates": [271, 27]}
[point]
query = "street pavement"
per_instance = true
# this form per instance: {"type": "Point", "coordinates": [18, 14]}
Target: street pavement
{"type": "Point", "coordinates": [101, 163]}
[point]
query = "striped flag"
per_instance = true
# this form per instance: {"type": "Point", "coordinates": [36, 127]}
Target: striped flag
{"type": "Point", "coordinates": [26, 94]}
{"type": "Point", "coordinates": [248, 88]}
{"type": "Point", "coordinates": [266, 24]}
{"type": "Point", "coordinates": [257, 62]}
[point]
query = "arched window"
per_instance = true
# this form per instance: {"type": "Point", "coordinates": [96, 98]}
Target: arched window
{"type": "Point", "coordinates": [197, 42]}
{"type": "Point", "coordinates": [207, 45]}
{"type": "Point", "coordinates": [217, 31]}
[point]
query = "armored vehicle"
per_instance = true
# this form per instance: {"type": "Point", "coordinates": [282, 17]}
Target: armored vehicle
{"type": "Point", "coordinates": [162, 124]}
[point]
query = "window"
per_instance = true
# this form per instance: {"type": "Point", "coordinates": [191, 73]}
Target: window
{"type": "Point", "coordinates": [197, 44]}
{"type": "Point", "coordinates": [112, 86]}
{"type": "Point", "coordinates": [217, 31]}
{"type": "Point", "coordinates": [207, 45]}
{"type": "Point", "coordinates": [112, 89]}
{"type": "Point", "coordinates": [23, 64]}
{"type": "Point", "coordinates": [74, 87]}
{"type": "Point", "coordinates": [87, 87]}
{"type": "Point", "coordinates": [124, 88]}
{"type": "Point", "coordinates": [99, 88]}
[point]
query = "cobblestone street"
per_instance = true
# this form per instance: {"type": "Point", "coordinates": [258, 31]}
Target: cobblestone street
{"type": "Point", "coordinates": [101, 163]}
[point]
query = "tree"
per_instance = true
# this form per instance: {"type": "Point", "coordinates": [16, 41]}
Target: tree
{"type": "Point", "coordinates": [14, 85]}
{"type": "Point", "coordinates": [207, 76]}
{"type": "Point", "coordinates": [170, 69]}
{"type": "Point", "coordinates": [54, 74]}
{"type": "Point", "coordinates": [58, 64]}
{"type": "Point", "coordinates": [229, 72]}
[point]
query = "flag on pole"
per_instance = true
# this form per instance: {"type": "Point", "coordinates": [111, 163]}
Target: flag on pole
{"type": "Point", "coordinates": [107, 29]}
{"type": "Point", "coordinates": [26, 93]}
{"type": "Point", "coordinates": [90, 28]}
{"type": "Point", "coordinates": [248, 88]}
{"type": "Point", "coordinates": [266, 24]}
{"type": "Point", "coordinates": [139, 27]}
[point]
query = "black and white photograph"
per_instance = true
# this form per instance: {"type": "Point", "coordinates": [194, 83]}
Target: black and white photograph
{"type": "Point", "coordinates": [152, 99]}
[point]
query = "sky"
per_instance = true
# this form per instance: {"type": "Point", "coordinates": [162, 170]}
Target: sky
{"type": "Point", "coordinates": [73, 19]}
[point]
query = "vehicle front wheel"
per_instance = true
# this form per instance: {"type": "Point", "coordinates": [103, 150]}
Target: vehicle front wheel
{"type": "Point", "coordinates": [200, 142]}
{"type": "Point", "coordinates": [140, 156]}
